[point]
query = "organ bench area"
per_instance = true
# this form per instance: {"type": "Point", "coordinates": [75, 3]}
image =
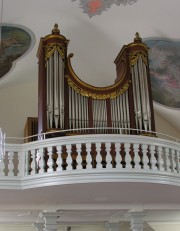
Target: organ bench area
{"type": "Point", "coordinates": [68, 103]}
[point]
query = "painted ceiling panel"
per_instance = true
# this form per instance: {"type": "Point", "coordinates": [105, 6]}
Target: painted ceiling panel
{"type": "Point", "coordinates": [15, 42]}
{"type": "Point", "coordinates": [164, 61]}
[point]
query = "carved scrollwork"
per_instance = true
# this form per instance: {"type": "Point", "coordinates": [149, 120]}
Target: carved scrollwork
{"type": "Point", "coordinates": [134, 56]}
{"type": "Point", "coordinates": [50, 48]}
{"type": "Point", "coordinates": [87, 93]}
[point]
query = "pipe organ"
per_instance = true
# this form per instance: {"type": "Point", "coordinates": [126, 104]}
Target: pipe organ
{"type": "Point", "coordinates": [68, 103]}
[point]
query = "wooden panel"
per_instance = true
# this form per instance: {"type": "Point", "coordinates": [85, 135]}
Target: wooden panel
{"type": "Point", "coordinates": [31, 129]}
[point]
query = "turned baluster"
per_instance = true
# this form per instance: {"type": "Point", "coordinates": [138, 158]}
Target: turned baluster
{"type": "Point", "coordinates": [69, 157]}
{"type": "Point", "coordinates": [152, 158]}
{"type": "Point", "coordinates": [108, 156]}
{"type": "Point", "coordinates": [98, 156]}
{"type": "Point", "coordinates": [50, 161]}
{"type": "Point", "coordinates": [40, 156]}
{"type": "Point", "coordinates": [128, 158]}
{"type": "Point", "coordinates": [88, 156]}
{"type": "Point", "coordinates": [136, 156]}
{"type": "Point", "coordinates": [79, 157]}
{"type": "Point", "coordinates": [10, 164]}
{"type": "Point", "coordinates": [118, 155]}
{"type": "Point", "coordinates": [59, 158]}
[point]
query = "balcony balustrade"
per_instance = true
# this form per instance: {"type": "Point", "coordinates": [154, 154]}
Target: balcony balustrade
{"type": "Point", "coordinates": [90, 158]}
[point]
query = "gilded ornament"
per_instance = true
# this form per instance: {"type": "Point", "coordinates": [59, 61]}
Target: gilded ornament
{"type": "Point", "coordinates": [50, 48]}
{"type": "Point", "coordinates": [87, 93]}
{"type": "Point", "coordinates": [134, 56]}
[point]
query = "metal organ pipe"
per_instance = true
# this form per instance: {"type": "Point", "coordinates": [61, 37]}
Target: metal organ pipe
{"type": "Point", "coordinates": [61, 90]}
{"type": "Point", "coordinates": [55, 91]}
{"type": "Point", "coordinates": [137, 98]}
{"type": "Point", "coordinates": [144, 69]}
{"type": "Point", "coordinates": [78, 110]}
{"type": "Point", "coordinates": [141, 97]}
{"type": "Point", "coordinates": [120, 113]}
{"type": "Point", "coordinates": [142, 92]}
{"type": "Point", "coordinates": [50, 93]}
{"type": "Point", "coordinates": [99, 114]}
{"type": "Point", "coordinates": [127, 111]}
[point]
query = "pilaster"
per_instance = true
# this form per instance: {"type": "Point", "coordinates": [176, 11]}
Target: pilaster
{"type": "Point", "coordinates": [50, 219]}
{"type": "Point", "coordinates": [38, 226]}
{"type": "Point", "coordinates": [113, 226]}
{"type": "Point", "coordinates": [137, 220]}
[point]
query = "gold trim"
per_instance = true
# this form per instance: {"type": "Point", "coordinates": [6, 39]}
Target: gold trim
{"type": "Point", "coordinates": [88, 85]}
{"type": "Point", "coordinates": [51, 47]}
{"type": "Point", "coordinates": [138, 44]}
{"type": "Point", "coordinates": [55, 36]}
{"type": "Point", "coordinates": [87, 93]}
{"type": "Point", "coordinates": [148, 134]}
{"type": "Point", "coordinates": [134, 56]}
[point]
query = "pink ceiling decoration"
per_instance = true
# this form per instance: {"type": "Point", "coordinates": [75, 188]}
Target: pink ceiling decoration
{"type": "Point", "coordinates": [96, 7]}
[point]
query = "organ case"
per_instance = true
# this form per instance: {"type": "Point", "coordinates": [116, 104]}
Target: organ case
{"type": "Point", "coordinates": [68, 103]}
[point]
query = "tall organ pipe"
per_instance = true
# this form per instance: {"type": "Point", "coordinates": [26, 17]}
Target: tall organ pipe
{"type": "Point", "coordinates": [141, 95]}
{"type": "Point", "coordinates": [50, 92]}
{"type": "Point", "coordinates": [56, 89]}
{"type": "Point", "coordinates": [61, 91]}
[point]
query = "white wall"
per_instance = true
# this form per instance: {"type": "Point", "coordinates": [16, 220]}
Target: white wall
{"type": "Point", "coordinates": [163, 126]}
{"type": "Point", "coordinates": [17, 102]}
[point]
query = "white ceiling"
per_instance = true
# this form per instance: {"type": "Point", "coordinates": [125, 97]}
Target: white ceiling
{"type": "Point", "coordinates": [95, 43]}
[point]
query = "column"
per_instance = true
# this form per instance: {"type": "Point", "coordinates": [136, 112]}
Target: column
{"type": "Point", "coordinates": [137, 221]}
{"type": "Point", "coordinates": [113, 226]}
{"type": "Point", "coordinates": [50, 219]}
{"type": "Point", "coordinates": [38, 226]}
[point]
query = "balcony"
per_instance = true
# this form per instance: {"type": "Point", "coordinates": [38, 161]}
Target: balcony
{"type": "Point", "coordinates": [90, 159]}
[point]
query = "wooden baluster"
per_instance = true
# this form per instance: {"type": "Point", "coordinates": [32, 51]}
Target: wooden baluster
{"type": "Point", "coordinates": [160, 158]}
{"type": "Point", "coordinates": [145, 158]}
{"type": "Point", "coordinates": [128, 158]}
{"type": "Point", "coordinates": [152, 158]}
{"type": "Point", "coordinates": [40, 156]}
{"type": "Point", "coordinates": [118, 155]}
{"type": "Point", "coordinates": [10, 164]}
{"type": "Point", "coordinates": [79, 157]}
{"type": "Point", "coordinates": [108, 156]}
{"type": "Point", "coordinates": [98, 156]}
{"type": "Point", "coordinates": [50, 161]}
{"type": "Point", "coordinates": [69, 157]}
{"type": "Point", "coordinates": [88, 156]}
{"type": "Point", "coordinates": [33, 163]}
{"type": "Point", "coordinates": [136, 156]}
{"type": "Point", "coordinates": [59, 158]}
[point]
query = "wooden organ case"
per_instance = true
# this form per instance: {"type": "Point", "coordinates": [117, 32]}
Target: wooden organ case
{"type": "Point", "coordinates": [68, 103]}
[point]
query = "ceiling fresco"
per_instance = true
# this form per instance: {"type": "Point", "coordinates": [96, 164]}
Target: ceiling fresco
{"type": "Point", "coordinates": [96, 7]}
{"type": "Point", "coordinates": [164, 62]}
{"type": "Point", "coordinates": [15, 42]}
